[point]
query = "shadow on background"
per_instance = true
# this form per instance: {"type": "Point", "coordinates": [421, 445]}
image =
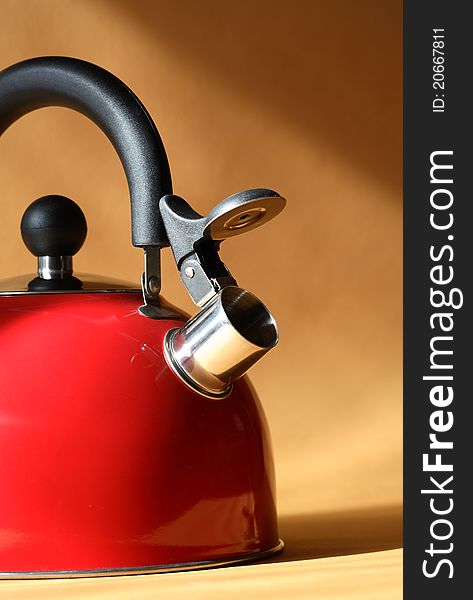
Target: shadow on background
{"type": "Point", "coordinates": [340, 533]}
{"type": "Point", "coordinates": [331, 69]}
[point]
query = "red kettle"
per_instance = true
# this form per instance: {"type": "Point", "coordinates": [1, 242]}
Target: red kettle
{"type": "Point", "coordinates": [129, 440]}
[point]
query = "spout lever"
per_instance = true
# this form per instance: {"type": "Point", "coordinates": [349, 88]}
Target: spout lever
{"type": "Point", "coordinates": [195, 240]}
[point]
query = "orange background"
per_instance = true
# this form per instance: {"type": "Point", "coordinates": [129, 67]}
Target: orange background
{"type": "Point", "coordinates": [303, 97]}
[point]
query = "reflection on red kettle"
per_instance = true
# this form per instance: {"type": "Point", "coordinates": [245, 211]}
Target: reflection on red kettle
{"type": "Point", "coordinates": [129, 440]}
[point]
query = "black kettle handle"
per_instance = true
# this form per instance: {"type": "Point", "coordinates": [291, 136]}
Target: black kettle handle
{"type": "Point", "coordinates": [110, 104]}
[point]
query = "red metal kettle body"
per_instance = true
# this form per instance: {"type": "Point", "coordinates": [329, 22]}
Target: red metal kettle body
{"type": "Point", "coordinates": [129, 442]}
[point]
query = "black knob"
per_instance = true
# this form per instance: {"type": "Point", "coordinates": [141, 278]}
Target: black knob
{"type": "Point", "coordinates": [53, 226]}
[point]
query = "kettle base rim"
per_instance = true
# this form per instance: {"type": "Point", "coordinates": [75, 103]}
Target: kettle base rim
{"type": "Point", "coordinates": [149, 570]}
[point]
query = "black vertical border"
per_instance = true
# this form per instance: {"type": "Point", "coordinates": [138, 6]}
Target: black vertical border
{"type": "Point", "coordinates": [425, 132]}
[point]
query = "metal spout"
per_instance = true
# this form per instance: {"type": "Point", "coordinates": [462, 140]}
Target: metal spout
{"type": "Point", "coordinates": [217, 346]}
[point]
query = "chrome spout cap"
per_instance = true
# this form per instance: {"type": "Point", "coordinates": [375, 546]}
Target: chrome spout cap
{"type": "Point", "coordinates": [217, 346]}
